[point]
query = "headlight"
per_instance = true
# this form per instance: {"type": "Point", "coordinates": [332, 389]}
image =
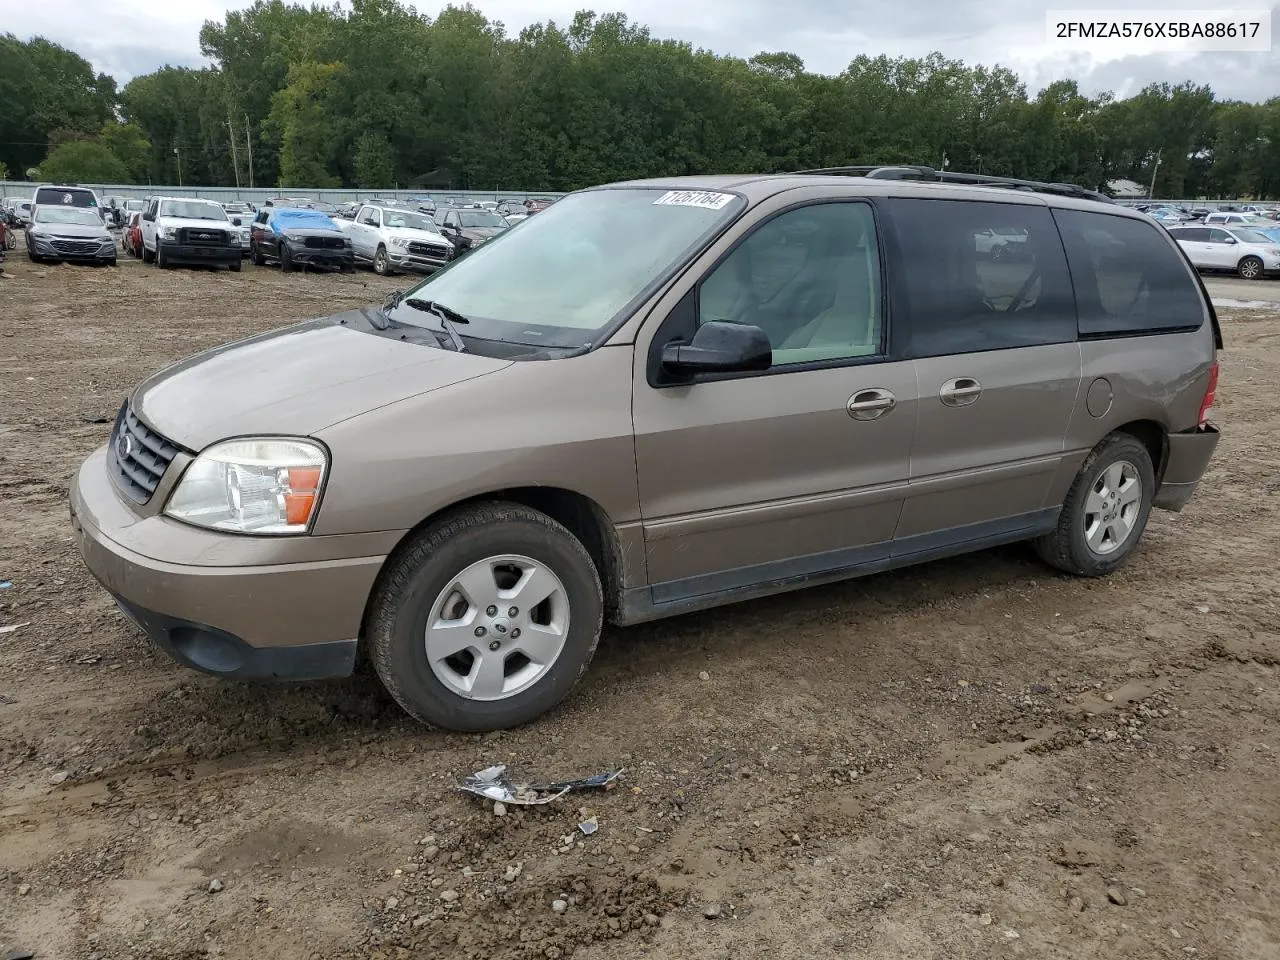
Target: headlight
{"type": "Point", "coordinates": [399, 242]}
{"type": "Point", "coordinates": [170, 233]}
{"type": "Point", "coordinates": [267, 485]}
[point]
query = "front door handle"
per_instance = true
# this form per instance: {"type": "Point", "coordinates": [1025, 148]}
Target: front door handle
{"type": "Point", "coordinates": [960, 392]}
{"type": "Point", "coordinates": [871, 404]}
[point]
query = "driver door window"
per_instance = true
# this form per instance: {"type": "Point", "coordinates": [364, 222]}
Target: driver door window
{"type": "Point", "coordinates": [810, 278]}
{"type": "Point", "coordinates": [370, 218]}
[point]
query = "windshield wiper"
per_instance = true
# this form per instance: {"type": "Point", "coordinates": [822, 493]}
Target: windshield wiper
{"type": "Point", "coordinates": [448, 317]}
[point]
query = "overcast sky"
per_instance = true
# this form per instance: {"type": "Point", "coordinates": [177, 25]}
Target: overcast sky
{"type": "Point", "coordinates": [129, 37]}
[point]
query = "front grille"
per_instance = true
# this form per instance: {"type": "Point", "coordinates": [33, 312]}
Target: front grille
{"type": "Point", "coordinates": [137, 456]}
{"type": "Point", "coordinates": [418, 248]}
{"type": "Point", "coordinates": [194, 236]}
{"type": "Point", "coordinates": [76, 247]}
{"type": "Point", "coordinates": [326, 243]}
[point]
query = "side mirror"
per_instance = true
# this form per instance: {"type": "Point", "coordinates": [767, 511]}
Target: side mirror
{"type": "Point", "coordinates": [1232, 240]}
{"type": "Point", "coordinates": [148, 217]}
{"type": "Point", "coordinates": [720, 346]}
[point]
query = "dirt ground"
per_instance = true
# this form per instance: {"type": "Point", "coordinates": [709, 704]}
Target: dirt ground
{"type": "Point", "coordinates": [976, 758]}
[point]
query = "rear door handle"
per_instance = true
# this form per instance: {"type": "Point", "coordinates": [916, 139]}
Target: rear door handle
{"type": "Point", "coordinates": [960, 392]}
{"type": "Point", "coordinates": [871, 404]}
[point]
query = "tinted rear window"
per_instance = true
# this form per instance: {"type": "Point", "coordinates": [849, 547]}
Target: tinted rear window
{"type": "Point", "coordinates": [981, 276]}
{"type": "Point", "coordinates": [1128, 279]}
{"type": "Point", "coordinates": [70, 196]}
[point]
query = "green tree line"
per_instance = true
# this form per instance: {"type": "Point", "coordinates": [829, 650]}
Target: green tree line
{"type": "Point", "coordinates": [378, 95]}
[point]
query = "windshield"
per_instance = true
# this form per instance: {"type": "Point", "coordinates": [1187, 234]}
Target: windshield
{"type": "Point", "coordinates": [413, 221]}
{"type": "Point", "coordinates": [233, 208]}
{"type": "Point", "coordinates": [192, 209]}
{"type": "Point", "coordinates": [1252, 236]}
{"type": "Point", "coordinates": [135, 204]}
{"type": "Point", "coordinates": [568, 274]}
{"type": "Point", "coordinates": [480, 218]}
{"type": "Point", "coordinates": [46, 214]}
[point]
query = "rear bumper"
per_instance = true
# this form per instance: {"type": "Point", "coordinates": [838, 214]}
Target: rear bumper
{"type": "Point", "coordinates": [1189, 455]}
{"type": "Point", "coordinates": [219, 603]}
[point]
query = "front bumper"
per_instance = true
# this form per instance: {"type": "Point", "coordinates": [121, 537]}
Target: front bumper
{"type": "Point", "coordinates": [322, 257]}
{"type": "Point", "coordinates": [190, 253]}
{"type": "Point", "coordinates": [1188, 459]}
{"type": "Point", "coordinates": [405, 260]}
{"type": "Point", "coordinates": [46, 249]}
{"type": "Point", "coordinates": [232, 606]}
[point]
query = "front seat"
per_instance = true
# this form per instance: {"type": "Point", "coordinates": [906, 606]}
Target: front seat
{"type": "Point", "coordinates": [847, 327]}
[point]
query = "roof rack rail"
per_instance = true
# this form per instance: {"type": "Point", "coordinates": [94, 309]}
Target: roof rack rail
{"type": "Point", "coordinates": [923, 173]}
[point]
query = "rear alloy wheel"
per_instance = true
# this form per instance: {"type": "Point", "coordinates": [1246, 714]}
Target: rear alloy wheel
{"type": "Point", "coordinates": [381, 262]}
{"type": "Point", "coordinates": [1250, 268]}
{"type": "Point", "coordinates": [487, 619]}
{"type": "Point", "coordinates": [1105, 511]}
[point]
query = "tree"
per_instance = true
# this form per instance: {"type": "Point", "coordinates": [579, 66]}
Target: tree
{"type": "Point", "coordinates": [130, 145]}
{"type": "Point", "coordinates": [373, 162]}
{"type": "Point", "coordinates": [302, 115]}
{"type": "Point", "coordinates": [83, 161]}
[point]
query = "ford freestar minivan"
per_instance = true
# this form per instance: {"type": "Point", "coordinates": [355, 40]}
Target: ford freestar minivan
{"type": "Point", "coordinates": [651, 398]}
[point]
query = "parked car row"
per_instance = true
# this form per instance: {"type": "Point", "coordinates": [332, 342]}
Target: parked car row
{"type": "Point", "coordinates": [1252, 253]}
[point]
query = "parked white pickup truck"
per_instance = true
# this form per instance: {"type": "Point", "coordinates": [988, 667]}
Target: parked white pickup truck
{"type": "Point", "coordinates": [393, 239]}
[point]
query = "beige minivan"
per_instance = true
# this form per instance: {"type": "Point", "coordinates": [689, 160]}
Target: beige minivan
{"type": "Point", "coordinates": [651, 398]}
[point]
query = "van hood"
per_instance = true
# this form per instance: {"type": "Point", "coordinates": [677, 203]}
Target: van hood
{"type": "Point", "coordinates": [298, 380]}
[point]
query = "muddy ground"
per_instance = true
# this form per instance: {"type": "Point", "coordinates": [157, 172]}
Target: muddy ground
{"type": "Point", "coordinates": [976, 758]}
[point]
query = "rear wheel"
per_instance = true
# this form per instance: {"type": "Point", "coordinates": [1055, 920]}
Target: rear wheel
{"type": "Point", "coordinates": [487, 619]}
{"type": "Point", "coordinates": [1250, 268]}
{"type": "Point", "coordinates": [1105, 511]}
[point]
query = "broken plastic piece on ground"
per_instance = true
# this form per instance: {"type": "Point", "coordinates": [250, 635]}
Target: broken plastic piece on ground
{"type": "Point", "coordinates": [14, 627]}
{"type": "Point", "coordinates": [493, 784]}
{"type": "Point", "coordinates": [588, 827]}
{"type": "Point", "coordinates": [4, 698]}
{"type": "Point", "coordinates": [6, 584]}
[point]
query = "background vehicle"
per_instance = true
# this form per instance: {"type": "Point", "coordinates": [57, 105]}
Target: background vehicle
{"type": "Point", "coordinates": [179, 230]}
{"type": "Point", "coordinates": [1250, 253]}
{"type": "Point", "coordinates": [68, 195]}
{"type": "Point", "coordinates": [71, 233]}
{"type": "Point", "coordinates": [1233, 219]}
{"type": "Point", "coordinates": [131, 236]}
{"type": "Point", "coordinates": [297, 238]}
{"type": "Point", "coordinates": [534, 205]}
{"type": "Point", "coordinates": [393, 239]}
{"type": "Point", "coordinates": [468, 228]}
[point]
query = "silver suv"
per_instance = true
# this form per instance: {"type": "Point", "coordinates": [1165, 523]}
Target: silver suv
{"type": "Point", "coordinates": [655, 397]}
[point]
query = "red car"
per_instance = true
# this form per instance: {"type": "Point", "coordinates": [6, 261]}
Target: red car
{"type": "Point", "coordinates": [132, 238]}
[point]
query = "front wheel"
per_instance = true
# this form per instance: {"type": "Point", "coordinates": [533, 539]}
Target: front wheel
{"type": "Point", "coordinates": [1105, 511]}
{"type": "Point", "coordinates": [255, 254]}
{"type": "Point", "coordinates": [162, 261]}
{"type": "Point", "coordinates": [148, 256]}
{"type": "Point", "coordinates": [286, 259]}
{"type": "Point", "coordinates": [234, 266]}
{"type": "Point", "coordinates": [487, 619]}
{"type": "Point", "coordinates": [1250, 268]}
{"type": "Point", "coordinates": [381, 262]}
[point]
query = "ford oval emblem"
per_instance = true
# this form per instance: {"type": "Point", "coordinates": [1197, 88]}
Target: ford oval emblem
{"type": "Point", "coordinates": [124, 446]}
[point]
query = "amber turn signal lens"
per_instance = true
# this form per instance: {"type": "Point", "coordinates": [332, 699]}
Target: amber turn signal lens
{"type": "Point", "coordinates": [300, 495]}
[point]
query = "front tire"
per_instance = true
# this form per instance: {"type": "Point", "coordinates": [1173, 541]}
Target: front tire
{"type": "Point", "coordinates": [381, 262]}
{"type": "Point", "coordinates": [234, 266]}
{"type": "Point", "coordinates": [1105, 511]}
{"type": "Point", "coordinates": [162, 262]}
{"type": "Point", "coordinates": [255, 254]}
{"type": "Point", "coordinates": [442, 633]}
{"type": "Point", "coordinates": [148, 256]}
{"type": "Point", "coordinates": [1250, 268]}
{"type": "Point", "coordinates": [286, 260]}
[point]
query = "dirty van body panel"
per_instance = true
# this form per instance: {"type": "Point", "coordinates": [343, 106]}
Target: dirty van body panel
{"type": "Point", "coordinates": [997, 456]}
{"type": "Point", "coordinates": [477, 438]}
{"type": "Point", "coordinates": [295, 381]}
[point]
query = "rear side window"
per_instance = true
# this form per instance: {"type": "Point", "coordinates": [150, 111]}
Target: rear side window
{"type": "Point", "coordinates": [978, 276]}
{"type": "Point", "coordinates": [1128, 278]}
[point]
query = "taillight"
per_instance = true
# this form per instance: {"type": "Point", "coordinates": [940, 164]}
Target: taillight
{"type": "Point", "coordinates": [1209, 393]}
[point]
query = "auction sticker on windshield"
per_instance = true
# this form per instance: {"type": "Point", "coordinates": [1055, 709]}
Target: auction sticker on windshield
{"type": "Point", "coordinates": [694, 198]}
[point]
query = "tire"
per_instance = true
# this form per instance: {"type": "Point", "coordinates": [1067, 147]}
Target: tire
{"type": "Point", "coordinates": [255, 254]}
{"type": "Point", "coordinates": [1068, 547]}
{"type": "Point", "coordinates": [162, 261]}
{"type": "Point", "coordinates": [381, 263]}
{"type": "Point", "coordinates": [416, 585]}
{"type": "Point", "coordinates": [111, 262]}
{"type": "Point", "coordinates": [148, 256]}
{"type": "Point", "coordinates": [286, 260]}
{"type": "Point", "coordinates": [234, 267]}
{"type": "Point", "coordinates": [1250, 268]}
